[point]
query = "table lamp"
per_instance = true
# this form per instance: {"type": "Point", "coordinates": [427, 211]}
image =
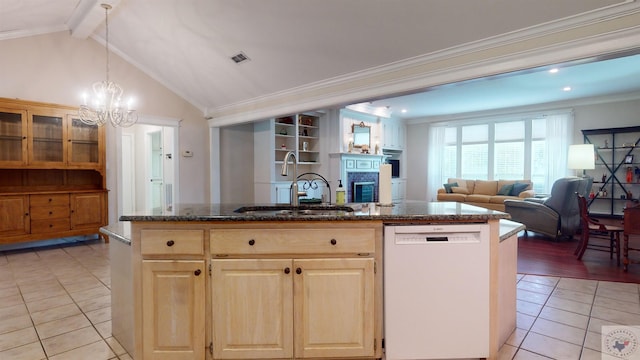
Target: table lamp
{"type": "Point", "coordinates": [581, 157]}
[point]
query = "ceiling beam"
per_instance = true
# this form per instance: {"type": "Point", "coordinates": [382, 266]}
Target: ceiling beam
{"type": "Point", "coordinates": [87, 16]}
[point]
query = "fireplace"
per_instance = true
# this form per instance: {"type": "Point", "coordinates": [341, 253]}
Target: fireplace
{"type": "Point", "coordinates": [364, 191]}
{"type": "Point", "coordinates": [357, 168]}
{"type": "Point", "coordinates": [369, 179]}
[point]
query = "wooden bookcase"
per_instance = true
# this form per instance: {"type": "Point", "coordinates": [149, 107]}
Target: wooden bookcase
{"type": "Point", "coordinates": [52, 173]}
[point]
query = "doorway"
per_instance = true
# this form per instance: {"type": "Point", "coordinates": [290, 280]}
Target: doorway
{"type": "Point", "coordinates": [148, 168]}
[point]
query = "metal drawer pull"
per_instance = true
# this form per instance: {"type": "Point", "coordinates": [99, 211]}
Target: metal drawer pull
{"type": "Point", "coordinates": [287, 270]}
{"type": "Point", "coordinates": [252, 242]}
{"type": "Point", "coordinates": [170, 243]}
{"type": "Point", "coordinates": [298, 271]}
{"type": "Point", "coordinates": [333, 241]}
{"type": "Point", "coordinates": [197, 272]}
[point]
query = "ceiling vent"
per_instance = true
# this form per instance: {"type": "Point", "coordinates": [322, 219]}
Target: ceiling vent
{"type": "Point", "coordinates": [239, 57]}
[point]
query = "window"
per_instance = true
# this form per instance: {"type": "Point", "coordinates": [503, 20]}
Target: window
{"type": "Point", "coordinates": [508, 154]}
{"type": "Point", "coordinates": [531, 147]}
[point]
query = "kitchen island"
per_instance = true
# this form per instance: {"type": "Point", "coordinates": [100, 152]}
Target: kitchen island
{"type": "Point", "coordinates": [209, 282]}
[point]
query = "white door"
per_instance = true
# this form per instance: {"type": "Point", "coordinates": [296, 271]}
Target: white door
{"type": "Point", "coordinates": [149, 168]}
{"type": "Point", "coordinates": [154, 153]}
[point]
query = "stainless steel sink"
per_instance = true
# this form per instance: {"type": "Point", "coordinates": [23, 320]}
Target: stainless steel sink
{"type": "Point", "coordinates": [302, 210]}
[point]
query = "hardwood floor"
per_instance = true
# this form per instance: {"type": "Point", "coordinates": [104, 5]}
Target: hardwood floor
{"type": "Point", "coordinates": [542, 256]}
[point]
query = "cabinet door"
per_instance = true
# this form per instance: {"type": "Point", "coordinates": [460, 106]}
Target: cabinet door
{"type": "Point", "coordinates": [14, 215]}
{"type": "Point", "coordinates": [252, 309]}
{"type": "Point", "coordinates": [173, 309]}
{"type": "Point", "coordinates": [87, 210]}
{"type": "Point", "coordinates": [47, 138]}
{"type": "Point", "coordinates": [84, 145]}
{"type": "Point", "coordinates": [13, 137]}
{"type": "Point", "coordinates": [325, 292]}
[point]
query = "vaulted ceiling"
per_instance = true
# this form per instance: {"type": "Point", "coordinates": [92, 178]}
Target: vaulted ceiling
{"type": "Point", "coordinates": [187, 45]}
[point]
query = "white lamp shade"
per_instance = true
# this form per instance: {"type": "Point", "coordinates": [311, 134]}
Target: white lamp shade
{"type": "Point", "coordinates": [581, 157]}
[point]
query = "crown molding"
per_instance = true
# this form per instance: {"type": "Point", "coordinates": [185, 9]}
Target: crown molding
{"type": "Point", "coordinates": [611, 29]}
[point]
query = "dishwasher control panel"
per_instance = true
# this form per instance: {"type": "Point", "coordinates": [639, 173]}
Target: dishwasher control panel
{"type": "Point", "coordinates": [449, 237]}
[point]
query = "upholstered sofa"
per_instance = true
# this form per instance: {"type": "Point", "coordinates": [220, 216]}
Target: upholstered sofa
{"type": "Point", "coordinates": [489, 194]}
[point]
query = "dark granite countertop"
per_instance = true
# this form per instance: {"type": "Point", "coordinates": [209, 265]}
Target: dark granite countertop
{"type": "Point", "coordinates": [401, 212]}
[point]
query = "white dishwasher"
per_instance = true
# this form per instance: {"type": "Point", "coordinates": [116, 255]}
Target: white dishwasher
{"type": "Point", "coordinates": [436, 291]}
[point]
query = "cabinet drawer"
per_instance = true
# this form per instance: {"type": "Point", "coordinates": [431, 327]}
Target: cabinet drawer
{"type": "Point", "coordinates": [292, 241]}
{"type": "Point", "coordinates": [176, 242]}
{"type": "Point", "coordinates": [49, 225]}
{"type": "Point", "coordinates": [49, 200]}
{"type": "Point", "coordinates": [49, 212]}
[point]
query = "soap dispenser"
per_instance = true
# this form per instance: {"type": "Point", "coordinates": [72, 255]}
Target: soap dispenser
{"type": "Point", "coordinates": [340, 194]}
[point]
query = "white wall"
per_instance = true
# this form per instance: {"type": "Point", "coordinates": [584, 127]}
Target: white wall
{"type": "Point", "coordinates": [236, 164]}
{"type": "Point", "coordinates": [416, 150]}
{"type": "Point", "coordinates": [57, 68]}
{"type": "Point", "coordinates": [598, 115]}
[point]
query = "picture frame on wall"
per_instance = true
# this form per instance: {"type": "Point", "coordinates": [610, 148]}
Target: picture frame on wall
{"type": "Point", "coordinates": [628, 159]}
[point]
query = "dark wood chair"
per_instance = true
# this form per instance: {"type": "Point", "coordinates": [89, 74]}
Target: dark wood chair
{"type": "Point", "coordinates": [631, 227]}
{"type": "Point", "coordinates": [590, 226]}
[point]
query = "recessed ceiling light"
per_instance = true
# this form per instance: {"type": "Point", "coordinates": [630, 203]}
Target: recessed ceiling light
{"type": "Point", "coordinates": [566, 88]}
{"type": "Point", "coordinates": [553, 71]}
{"type": "Point", "coordinates": [403, 110]}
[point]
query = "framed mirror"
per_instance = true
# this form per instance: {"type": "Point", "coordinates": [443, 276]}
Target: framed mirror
{"type": "Point", "coordinates": [361, 134]}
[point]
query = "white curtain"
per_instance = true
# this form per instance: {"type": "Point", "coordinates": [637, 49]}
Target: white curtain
{"type": "Point", "coordinates": [434, 162]}
{"type": "Point", "coordinates": [558, 139]}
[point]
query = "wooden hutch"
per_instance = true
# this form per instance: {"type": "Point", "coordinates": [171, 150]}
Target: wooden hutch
{"type": "Point", "coordinates": [52, 173]}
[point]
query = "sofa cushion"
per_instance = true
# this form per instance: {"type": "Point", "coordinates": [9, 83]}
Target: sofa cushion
{"type": "Point", "coordinates": [518, 187]}
{"type": "Point", "coordinates": [469, 184]}
{"type": "Point", "coordinates": [499, 199]}
{"type": "Point", "coordinates": [460, 190]}
{"type": "Point", "coordinates": [451, 197]}
{"type": "Point", "coordinates": [448, 186]}
{"type": "Point", "coordinates": [478, 198]}
{"type": "Point", "coordinates": [484, 187]}
{"type": "Point", "coordinates": [505, 189]}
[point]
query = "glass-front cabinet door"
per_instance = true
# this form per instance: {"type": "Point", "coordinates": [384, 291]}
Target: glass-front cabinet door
{"type": "Point", "coordinates": [46, 142]}
{"type": "Point", "coordinates": [13, 137]}
{"type": "Point", "coordinates": [83, 145]}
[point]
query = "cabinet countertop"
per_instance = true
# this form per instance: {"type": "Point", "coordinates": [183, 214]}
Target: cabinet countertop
{"type": "Point", "coordinates": [401, 212]}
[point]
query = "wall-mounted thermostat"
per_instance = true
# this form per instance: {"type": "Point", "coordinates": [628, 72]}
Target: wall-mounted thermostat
{"type": "Point", "coordinates": [187, 153]}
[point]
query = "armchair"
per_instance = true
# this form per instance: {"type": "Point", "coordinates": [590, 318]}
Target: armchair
{"type": "Point", "coordinates": [556, 216]}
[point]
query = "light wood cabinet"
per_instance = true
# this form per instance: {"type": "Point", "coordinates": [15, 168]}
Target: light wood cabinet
{"type": "Point", "coordinates": [56, 165]}
{"type": "Point", "coordinates": [252, 308]}
{"type": "Point", "coordinates": [173, 311]}
{"type": "Point", "coordinates": [256, 290]}
{"type": "Point", "coordinates": [257, 304]}
{"type": "Point", "coordinates": [334, 307]}
{"type": "Point", "coordinates": [324, 289]}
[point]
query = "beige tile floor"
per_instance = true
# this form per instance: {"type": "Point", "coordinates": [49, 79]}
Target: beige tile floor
{"type": "Point", "coordinates": [55, 304]}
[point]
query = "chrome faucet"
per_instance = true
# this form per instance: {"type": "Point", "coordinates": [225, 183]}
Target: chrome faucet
{"type": "Point", "coordinates": [285, 171]}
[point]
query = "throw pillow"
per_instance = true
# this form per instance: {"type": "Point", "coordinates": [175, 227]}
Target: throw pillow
{"type": "Point", "coordinates": [448, 187]}
{"type": "Point", "coordinates": [518, 188]}
{"type": "Point", "coordinates": [505, 190]}
{"type": "Point", "coordinates": [460, 190]}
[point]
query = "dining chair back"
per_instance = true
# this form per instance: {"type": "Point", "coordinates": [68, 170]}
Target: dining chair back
{"type": "Point", "coordinates": [590, 226]}
{"type": "Point", "coordinates": [631, 227]}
